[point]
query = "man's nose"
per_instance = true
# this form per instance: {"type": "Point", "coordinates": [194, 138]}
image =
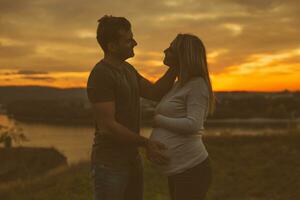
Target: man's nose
{"type": "Point", "coordinates": [134, 43]}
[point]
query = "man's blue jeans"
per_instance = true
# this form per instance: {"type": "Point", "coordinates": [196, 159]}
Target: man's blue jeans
{"type": "Point", "coordinates": [118, 184]}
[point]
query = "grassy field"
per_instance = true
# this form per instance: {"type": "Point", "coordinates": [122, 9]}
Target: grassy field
{"type": "Point", "coordinates": [245, 168]}
{"type": "Point", "coordinates": [28, 162]}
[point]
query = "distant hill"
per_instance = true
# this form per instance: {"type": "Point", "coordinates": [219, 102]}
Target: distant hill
{"type": "Point", "coordinates": [48, 103]}
{"type": "Point", "coordinates": [16, 93]}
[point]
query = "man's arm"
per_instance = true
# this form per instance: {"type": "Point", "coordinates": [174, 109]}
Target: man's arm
{"type": "Point", "coordinates": [155, 91]}
{"type": "Point", "coordinates": [105, 115]}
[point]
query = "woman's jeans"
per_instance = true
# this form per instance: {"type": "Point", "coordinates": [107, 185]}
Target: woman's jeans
{"type": "Point", "coordinates": [191, 184]}
{"type": "Point", "coordinates": [118, 184]}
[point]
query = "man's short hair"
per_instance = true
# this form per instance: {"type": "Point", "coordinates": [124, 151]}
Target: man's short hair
{"type": "Point", "coordinates": [108, 29]}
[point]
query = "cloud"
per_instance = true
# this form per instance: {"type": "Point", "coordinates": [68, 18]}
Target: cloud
{"type": "Point", "coordinates": [15, 51]}
{"type": "Point", "coordinates": [39, 78]}
{"type": "Point", "coordinates": [268, 63]}
{"type": "Point", "coordinates": [63, 37]}
{"type": "Point", "coordinates": [29, 72]}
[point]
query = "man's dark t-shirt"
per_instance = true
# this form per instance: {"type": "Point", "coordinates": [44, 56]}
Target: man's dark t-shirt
{"type": "Point", "coordinates": [121, 85]}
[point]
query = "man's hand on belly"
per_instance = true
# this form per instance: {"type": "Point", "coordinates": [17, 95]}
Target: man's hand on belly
{"type": "Point", "coordinates": [154, 153]}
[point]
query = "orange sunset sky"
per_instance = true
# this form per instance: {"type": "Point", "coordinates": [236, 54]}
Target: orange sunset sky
{"type": "Point", "coordinates": [252, 45]}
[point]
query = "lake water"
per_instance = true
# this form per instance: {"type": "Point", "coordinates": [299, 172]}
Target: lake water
{"type": "Point", "coordinates": [75, 141]}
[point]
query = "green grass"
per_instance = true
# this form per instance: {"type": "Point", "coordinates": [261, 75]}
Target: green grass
{"type": "Point", "coordinates": [245, 168]}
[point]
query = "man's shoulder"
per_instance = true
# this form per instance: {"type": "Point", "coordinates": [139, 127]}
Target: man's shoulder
{"type": "Point", "coordinates": [132, 70]}
{"type": "Point", "coordinates": [105, 69]}
{"type": "Point", "coordinates": [102, 69]}
{"type": "Point", "coordinates": [101, 66]}
{"type": "Point", "coordinates": [129, 66]}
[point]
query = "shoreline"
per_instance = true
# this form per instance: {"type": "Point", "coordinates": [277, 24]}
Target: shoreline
{"type": "Point", "coordinates": [211, 123]}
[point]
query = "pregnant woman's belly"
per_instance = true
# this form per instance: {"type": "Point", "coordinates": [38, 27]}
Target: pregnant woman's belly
{"type": "Point", "coordinates": [184, 151]}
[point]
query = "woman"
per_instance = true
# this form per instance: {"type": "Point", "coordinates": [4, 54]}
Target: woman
{"type": "Point", "coordinates": [179, 120]}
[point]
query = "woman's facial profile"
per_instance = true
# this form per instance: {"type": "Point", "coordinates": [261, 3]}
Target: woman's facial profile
{"type": "Point", "coordinates": [171, 59]}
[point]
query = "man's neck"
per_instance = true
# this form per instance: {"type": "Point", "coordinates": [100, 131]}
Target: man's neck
{"type": "Point", "coordinates": [112, 60]}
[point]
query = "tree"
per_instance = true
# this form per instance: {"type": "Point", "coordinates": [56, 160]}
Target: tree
{"type": "Point", "coordinates": [9, 134]}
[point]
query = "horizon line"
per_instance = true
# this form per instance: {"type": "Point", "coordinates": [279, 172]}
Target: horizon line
{"type": "Point", "coordinates": [66, 88]}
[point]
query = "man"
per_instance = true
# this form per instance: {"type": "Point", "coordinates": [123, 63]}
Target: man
{"type": "Point", "coordinates": [114, 88]}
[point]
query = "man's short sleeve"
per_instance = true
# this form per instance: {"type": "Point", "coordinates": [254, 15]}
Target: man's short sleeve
{"type": "Point", "coordinates": [100, 86]}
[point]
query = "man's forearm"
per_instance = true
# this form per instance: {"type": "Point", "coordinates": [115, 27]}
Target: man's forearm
{"type": "Point", "coordinates": [123, 135]}
{"type": "Point", "coordinates": [165, 83]}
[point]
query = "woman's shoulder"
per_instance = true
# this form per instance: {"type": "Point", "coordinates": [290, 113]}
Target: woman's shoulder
{"type": "Point", "coordinates": [198, 84]}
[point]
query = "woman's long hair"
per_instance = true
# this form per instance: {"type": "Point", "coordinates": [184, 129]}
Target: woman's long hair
{"type": "Point", "coordinates": [192, 63]}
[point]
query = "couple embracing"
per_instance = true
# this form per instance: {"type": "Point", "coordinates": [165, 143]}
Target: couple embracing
{"type": "Point", "coordinates": [114, 89]}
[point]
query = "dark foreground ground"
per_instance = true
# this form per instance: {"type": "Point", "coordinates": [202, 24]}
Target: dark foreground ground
{"type": "Point", "coordinates": [245, 168]}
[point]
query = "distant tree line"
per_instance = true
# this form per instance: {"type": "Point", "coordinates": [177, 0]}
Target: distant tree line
{"type": "Point", "coordinates": [71, 111]}
{"type": "Point", "coordinates": [258, 107]}
{"type": "Point", "coordinates": [226, 107]}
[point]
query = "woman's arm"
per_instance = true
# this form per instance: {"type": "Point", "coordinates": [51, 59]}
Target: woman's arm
{"type": "Point", "coordinates": [155, 91]}
{"type": "Point", "coordinates": [196, 104]}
